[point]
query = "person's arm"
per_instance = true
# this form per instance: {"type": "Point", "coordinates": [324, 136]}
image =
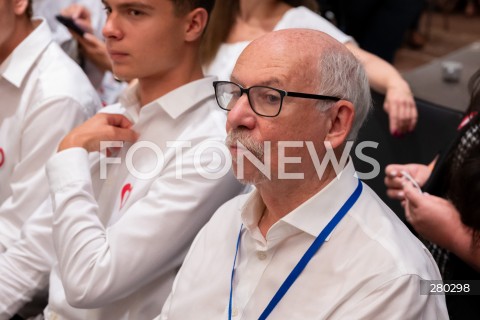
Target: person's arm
{"type": "Point", "coordinates": [26, 265]}
{"type": "Point", "coordinates": [43, 129]}
{"type": "Point", "coordinates": [438, 221]}
{"type": "Point", "coordinates": [91, 46]}
{"type": "Point", "coordinates": [98, 264]}
{"type": "Point", "coordinates": [384, 78]}
{"type": "Point", "coordinates": [95, 50]}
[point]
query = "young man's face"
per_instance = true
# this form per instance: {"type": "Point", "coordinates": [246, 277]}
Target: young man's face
{"type": "Point", "coordinates": [145, 39]}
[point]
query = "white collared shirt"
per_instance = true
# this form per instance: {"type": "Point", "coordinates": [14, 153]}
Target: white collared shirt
{"type": "Point", "coordinates": [298, 17]}
{"type": "Point", "coordinates": [120, 241]}
{"type": "Point", "coordinates": [44, 95]}
{"type": "Point", "coordinates": [369, 268]}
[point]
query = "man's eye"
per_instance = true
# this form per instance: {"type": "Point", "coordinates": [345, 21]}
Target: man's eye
{"type": "Point", "coordinates": [270, 97]}
{"type": "Point", "coordinates": [134, 13]}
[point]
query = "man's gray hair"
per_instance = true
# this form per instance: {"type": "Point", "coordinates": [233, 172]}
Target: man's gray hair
{"type": "Point", "coordinates": [342, 76]}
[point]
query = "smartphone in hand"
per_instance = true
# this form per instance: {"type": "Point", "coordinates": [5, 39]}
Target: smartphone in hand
{"type": "Point", "coordinates": [70, 24]}
{"type": "Point", "coordinates": [406, 175]}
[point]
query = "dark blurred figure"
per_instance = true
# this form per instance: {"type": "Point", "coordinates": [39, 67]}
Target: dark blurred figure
{"type": "Point", "coordinates": [415, 39]}
{"type": "Point", "coordinates": [379, 26]}
{"type": "Point", "coordinates": [472, 7]}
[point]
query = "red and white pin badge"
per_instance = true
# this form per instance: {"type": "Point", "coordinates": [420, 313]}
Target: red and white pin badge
{"type": "Point", "coordinates": [126, 190]}
{"type": "Point", "coordinates": [2, 157]}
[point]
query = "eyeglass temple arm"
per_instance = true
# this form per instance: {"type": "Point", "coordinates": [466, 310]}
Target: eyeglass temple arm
{"type": "Point", "coordinates": [310, 96]}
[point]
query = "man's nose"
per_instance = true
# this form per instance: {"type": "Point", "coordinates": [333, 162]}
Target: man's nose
{"type": "Point", "coordinates": [241, 115]}
{"type": "Point", "coordinates": [112, 29]}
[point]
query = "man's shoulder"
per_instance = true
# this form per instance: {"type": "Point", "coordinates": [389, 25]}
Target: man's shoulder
{"type": "Point", "coordinates": [57, 75]}
{"type": "Point", "coordinates": [385, 236]}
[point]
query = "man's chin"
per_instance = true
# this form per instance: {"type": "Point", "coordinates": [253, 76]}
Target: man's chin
{"type": "Point", "coordinates": [250, 179]}
{"type": "Point", "coordinates": [121, 75]}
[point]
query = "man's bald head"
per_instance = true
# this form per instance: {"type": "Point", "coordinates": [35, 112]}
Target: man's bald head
{"type": "Point", "coordinates": [299, 44]}
{"type": "Point", "coordinates": [315, 63]}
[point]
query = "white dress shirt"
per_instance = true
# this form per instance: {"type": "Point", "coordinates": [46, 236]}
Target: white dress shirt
{"type": "Point", "coordinates": [369, 268]}
{"type": "Point", "coordinates": [120, 241]}
{"type": "Point", "coordinates": [44, 95]}
{"type": "Point", "coordinates": [298, 17]}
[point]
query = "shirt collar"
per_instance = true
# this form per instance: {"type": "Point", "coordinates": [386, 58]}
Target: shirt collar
{"type": "Point", "coordinates": [173, 103]}
{"type": "Point", "coordinates": [15, 68]}
{"type": "Point", "coordinates": [187, 96]}
{"type": "Point", "coordinates": [252, 210]}
{"type": "Point", "coordinates": [315, 213]}
{"type": "Point", "coordinates": [129, 103]}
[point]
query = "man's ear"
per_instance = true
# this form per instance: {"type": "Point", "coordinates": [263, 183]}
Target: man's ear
{"type": "Point", "coordinates": [196, 21]}
{"type": "Point", "coordinates": [342, 115]}
{"type": "Point", "coordinates": [20, 6]}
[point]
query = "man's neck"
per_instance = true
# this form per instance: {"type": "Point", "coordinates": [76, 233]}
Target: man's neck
{"type": "Point", "coordinates": [283, 196]}
{"type": "Point", "coordinates": [23, 28]}
{"type": "Point", "coordinates": [152, 88]}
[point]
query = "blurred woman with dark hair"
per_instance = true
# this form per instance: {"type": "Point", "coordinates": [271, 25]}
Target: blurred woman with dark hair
{"type": "Point", "coordinates": [448, 216]}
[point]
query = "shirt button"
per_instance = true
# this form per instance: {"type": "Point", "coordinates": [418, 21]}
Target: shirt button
{"type": "Point", "coordinates": [261, 255]}
{"type": "Point", "coordinates": [234, 312]}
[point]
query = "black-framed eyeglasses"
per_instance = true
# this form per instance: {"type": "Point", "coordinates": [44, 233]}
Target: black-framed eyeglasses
{"type": "Point", "coordinates": [264, 101]}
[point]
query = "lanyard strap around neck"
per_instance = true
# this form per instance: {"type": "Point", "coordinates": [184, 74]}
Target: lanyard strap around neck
{"type": "Point", "coordinates": [314, 247]}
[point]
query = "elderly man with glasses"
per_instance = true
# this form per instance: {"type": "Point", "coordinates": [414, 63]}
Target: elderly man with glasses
{"type": "Point", "coordinates": [311, 241]}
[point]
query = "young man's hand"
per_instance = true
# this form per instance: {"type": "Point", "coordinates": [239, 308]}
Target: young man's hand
{"type": "Point", "coordinates": [101, 127]}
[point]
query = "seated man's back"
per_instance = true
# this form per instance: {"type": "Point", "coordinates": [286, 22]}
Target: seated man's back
{"type": "Point", "coordinates": [44, 95]}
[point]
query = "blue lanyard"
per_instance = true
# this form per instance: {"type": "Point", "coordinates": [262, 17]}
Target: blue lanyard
{"type": "Point", "coordinates": [303, 261]}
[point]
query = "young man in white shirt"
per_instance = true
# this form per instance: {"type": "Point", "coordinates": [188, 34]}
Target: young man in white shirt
{"type": "Point", "coordinates": [119, 241]}
{"type": "Point", "coordinates": [44, 95]}
{"type": "Point", "coordinates": [311, 241]}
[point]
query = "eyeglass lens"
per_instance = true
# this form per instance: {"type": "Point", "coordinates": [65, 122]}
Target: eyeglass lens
{"type": "Point", "coordinates": [263, 100]}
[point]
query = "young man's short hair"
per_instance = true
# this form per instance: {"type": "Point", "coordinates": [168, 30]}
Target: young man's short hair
{"type": "Point", "coordinates": [184, 6]}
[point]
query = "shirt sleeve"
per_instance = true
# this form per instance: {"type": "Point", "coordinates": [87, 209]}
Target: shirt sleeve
{"type": "Point", "coordinates": [25, 266]}
{"type": "Point", "coordinates": [43, 129]}
{"type": "Point", "coordinates": [399, 298]}
{"type": "Point", "coordinates": [99, 265]}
